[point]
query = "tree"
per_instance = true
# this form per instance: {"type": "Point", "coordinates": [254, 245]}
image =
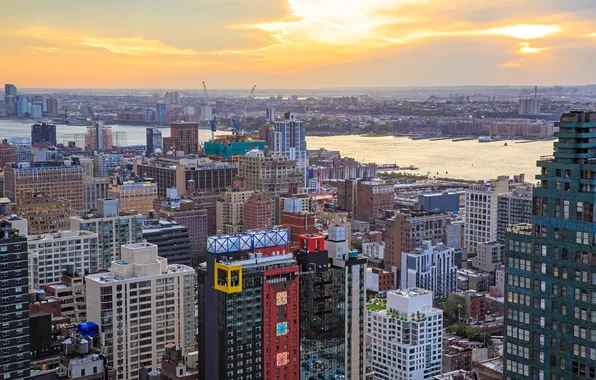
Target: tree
{"type": "Point", "coordinates": [451, 311]}
{"type": "Point", "coordinates": [357, 244]}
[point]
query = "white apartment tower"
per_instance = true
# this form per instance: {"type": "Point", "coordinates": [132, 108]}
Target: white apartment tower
{"type": "Point", "coordinates": [482, 211]}
{"type": "Point", "coordinates": [406, 334]}
{"type": "Point", "coordinates": [140, 305]}
{"type": "Point", "coordinates": [290, 141]}
{"type": "Point", "coordinates": [50, 254]}
{"type": "Point", "coordinates": [431, 268]}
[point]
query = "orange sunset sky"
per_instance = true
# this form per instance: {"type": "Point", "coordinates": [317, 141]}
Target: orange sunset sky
{"type": "Point", "coordinates": [296, 43]}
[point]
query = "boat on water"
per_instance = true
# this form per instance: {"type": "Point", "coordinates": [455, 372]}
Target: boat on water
{"type": "Point", "coordinates": [484, 139]}
{"type": "Point", "coordinates": [505, 144]}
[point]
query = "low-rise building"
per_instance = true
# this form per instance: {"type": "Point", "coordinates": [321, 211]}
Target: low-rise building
{"type": "Point", "coordinates": [379, 280]}
{"type": "Point", "coordinates": [474, 280]}
{"type": "Point", "coordinates": [456, 358]}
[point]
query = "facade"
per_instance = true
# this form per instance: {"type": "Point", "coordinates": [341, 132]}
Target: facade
{"type": "Point", "coordinates": [8, 153]}
{"type": "Point", "coordinates": [529, 106]}
{"type": "Point", "coordinates": [340, 168]}
{"type": "Point", "coordinates": [258, 212]}
{"type": "Point", "coordinates": [249, 308]}
{"type": "Point", "coordinates": [161, 112]}
{"type": "Point", "coordinates": [405, 232]}
{"type": "Point", "coordinates": [406, 334]}
{"type": "Point", "coordinates": [14, 314]}
{"type": "Point", "coordinates": [104, 165]}
{"type": "Point", "coordinates": [489, 256]}
{"type": "Point", "coordinates": [475, 280]}
{"type": "Point", "coordinates": [43, 132]}
{"type": "Point", "coordinates": [379, 280]}
{"type": "Point", "coordinates": [95, 188]}
{"type": "Point", "coordinates": [269, 175]}
{"type": "Point", "coordinates": [188, 176]}
{"type": "Point", "coordinates": [372, 199]}
{"type": "Point", "coordinates": [56, 180]}
{"type": "Point", "coordinates": [482, 211]}
{"type": "Point", "coordinates": [140, 305]}
{"type": "Point", "coordinates": [154, 141]}
{"type": "Point", "coordinates": [230, 211]}
{"type": "Point", "coordinates": [70, 291]}
{"type": "Point", "coordinates": [550, 292]}
{"type": "Point", "coordinates": [44, 214]}
{"type": "Point", "coordinates": [51, 254]}
{"type": "Point", "coordinates": [172, 240]}
{"type": "Point", "coordinates": [10, 98]}
{"type": "Point", "coordinates": [22, 105]}
{"type": "Point", "coordinates": [184, 137]}
{"type": "Point", "coordinates": [290, 141]}
{"type": "Point", "coordinates": [430, 268]}
{"type": "Point", "coordinates": [444, 202]}
{"type": "Point", "coordinates": [99, 137]}
{"type": "Point", "coordinates": [514, 207]}
{"type": "Point", "coordinates": [135, 196]}
{"type": "Point", "coordinates": [186, 213]}
{"type": "Point", "coordinates": [113, 228]}
{"type": "Point", "coordinates": [456, 358]}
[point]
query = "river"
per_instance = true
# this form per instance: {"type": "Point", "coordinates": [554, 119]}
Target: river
{"type": "Point", "coordinates": [463, 159]}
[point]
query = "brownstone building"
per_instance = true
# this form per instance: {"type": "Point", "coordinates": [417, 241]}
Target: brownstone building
{"type": "Point", "coordinates": [8, 153]}
{"type": "Point", "coordinates": [258, 213]}
{"type": "Point", "coordinates": [372, 199]}
{"type": "Point", "coordinates": [183, 137]}
{"type": "Point", "coordinates": [302, 223]}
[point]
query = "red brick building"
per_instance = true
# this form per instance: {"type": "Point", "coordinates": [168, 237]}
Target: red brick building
{"type": "Point", "coordinates": [258, 213]}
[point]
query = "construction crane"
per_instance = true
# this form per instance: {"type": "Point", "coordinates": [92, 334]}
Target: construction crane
{"type": "Point", "coordinates": [213, 123]}
{"type": "Point", "coordinates": [206, 94]}
{"type": "Point", "coordinates": [237, 123]}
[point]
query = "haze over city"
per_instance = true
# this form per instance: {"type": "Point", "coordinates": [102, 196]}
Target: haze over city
{"type": "Point", "coordinates": [297, 43]}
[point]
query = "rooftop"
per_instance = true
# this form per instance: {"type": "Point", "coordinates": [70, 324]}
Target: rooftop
{"type": "Point", "coordinates": [496, 364]}
{"type": "Point", "coordinates": [410, 293]}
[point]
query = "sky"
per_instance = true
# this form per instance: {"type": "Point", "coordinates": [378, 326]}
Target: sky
{"type": "Point", "coordinates": [296, 43]}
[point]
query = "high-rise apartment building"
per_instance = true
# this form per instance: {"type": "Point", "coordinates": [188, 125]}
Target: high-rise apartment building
{"type": "Point", "coordinates": [57, 180]}
{"type": "Point", "coordinates": [431, 268]}
{"type": "Point", "coordinates": [99, 137]}
{"type": "Point", "coordinates": [184, 137]}
{"type": "Point", "coordinates": [187, 213]}
{"type": "Point", "coordinates": [270, 175]}
{"type": "Point", "coordinates": [14, 313]}
{"type": "Point", "coordinates": [8, 153]}
{"type": "Point", "coordinates": [489, 256]}
{"type": "Point", "coordinates": [188, 176]}
{"type": "Point", "coordinates": [372, 199]}
{"type": "Point", "coordinates": [43, 214]}
{"type": "Point", "coordinates": [135, 196]}
{"type": "Point", "coordinates": [550, 289]}
{"type": "Point", "coordinates": [406, 334]}
{"type": "Point", "coordinates": [290, 140]}
{"type": "Point", "coordinates": [43, 132]}
{"type": "Point", "coordinates": [482, 203]}
{"type": "Point", "coordinates": [405, 232]}
{"type": "Point", "coordinates": [51, 254]}
{"type": "Point", "coordinates": [113, 228]}
{"type": "Point", "coordinates": [258, 212]}
{"type": "Point", "coordinates": [230, 211]}
{"type": "Point", "coordinates": [95, 188]}
{"type": "Point", "coordinates": [332, 306]}
{"type": "Point", "coordinates": [154, 141]}
{"type": "Point", "coordinates": [104, 165]}
{"type": "Point", "coordinates": [22, 105]}
{"type": "Point", "coordinates": [514, 207]}
{"type": "Point", "coordinates": [172, 240]}
{"type": "Point", "coordinates": [140, 305]}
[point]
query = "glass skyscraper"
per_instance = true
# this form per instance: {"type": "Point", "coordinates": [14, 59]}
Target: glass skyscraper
{"type": "Point", "coordinates": [551, 264]}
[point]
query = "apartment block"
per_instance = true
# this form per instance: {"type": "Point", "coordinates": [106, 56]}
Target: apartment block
{"type": "Point", "coordinates": [184, 137]}
{"type": "Point", "coordinates": [135, 196]}
{"type": "Point", "coordinates": [270, 175]}
{"type": "Point", "coordinates": [95, 188]}
{"type": "Point", "coordinates": [406, 334]}
{"type": "Point", "coordinates": [230, 211]}
{"type": "Point", "coordinates": [140, 305]}
{"type": "Point", "coordinates": [514, 207]}
{"type": "Point", "coordinates": [44, 214]}
{"type": "Point", "coordinates": [258, 212]}
{"type": "Point", "coordinates": [51, 254]}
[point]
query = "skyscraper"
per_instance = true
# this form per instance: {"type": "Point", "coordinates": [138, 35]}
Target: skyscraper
{"type": "Point", "coordinates": [550, 265]}
{"type": "Point", "coordinates": [14, 313]}
{"type": "Point", "coordinates": [513, 208]}
{"type": "Point", "coordinates": [10, 97]}
{"type": "Point", "coordinates": [161, 112]}
{"type": "Point", "coordinates": [290, 140]}
{"type": "Point", "coordinates": [22, 105]}
{"type": "Point", "coordinates": [154, 140]}
{"type": "Point", "coordinates": [43, 132]}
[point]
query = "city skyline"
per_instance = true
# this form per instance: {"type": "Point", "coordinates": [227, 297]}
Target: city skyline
{"type": "Point", "coordinates": [297, 44]}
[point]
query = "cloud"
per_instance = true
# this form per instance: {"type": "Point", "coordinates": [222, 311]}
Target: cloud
{"type": "Point", "coordinates": [592, 35]}
{"type": "Point", "coordinates": [525, 48]}
{"type": "Point", "coordinates": [511, 65]}
{"type": "Point", "coordinates": [135, 46]}
{"type": "Point", "coordinates": [47, 49]}
{"type": "Point", "coordinates": [522, 31]}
